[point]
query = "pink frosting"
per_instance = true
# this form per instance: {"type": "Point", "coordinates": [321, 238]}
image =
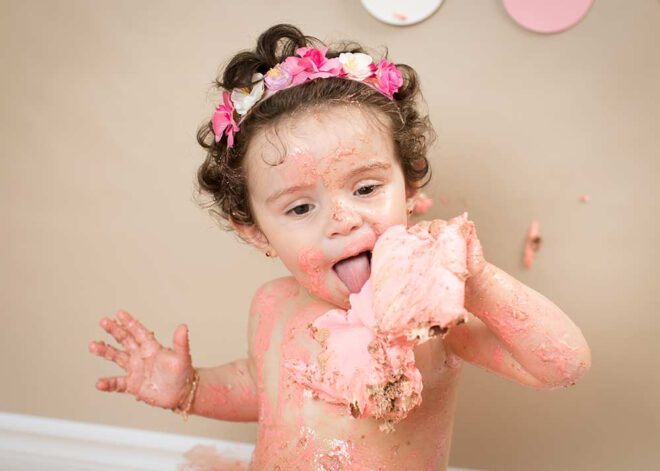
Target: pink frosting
{"type": "Point", "coordinates": [423, 203]}
{"type": "Point", "coordinates": [367, 361]}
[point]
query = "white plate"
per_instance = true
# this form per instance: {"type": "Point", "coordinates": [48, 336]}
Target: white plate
{"type": "Point", "coordinates": [401, 12]}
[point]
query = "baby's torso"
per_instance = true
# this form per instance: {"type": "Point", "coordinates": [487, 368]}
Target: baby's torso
{"type": "Point", "coordinates": [297, 431]}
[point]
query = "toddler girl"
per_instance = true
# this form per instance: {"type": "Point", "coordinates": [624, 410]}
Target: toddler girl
{"type": "Point", "coordinates": [312, 155]}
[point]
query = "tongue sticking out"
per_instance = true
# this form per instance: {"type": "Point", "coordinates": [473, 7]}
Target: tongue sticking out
{"type": "Point", "coordinates": [354, 271]}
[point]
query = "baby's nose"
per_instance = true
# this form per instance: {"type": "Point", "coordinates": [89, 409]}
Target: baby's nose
{"type": "Point", "coordinates": [344, 220]}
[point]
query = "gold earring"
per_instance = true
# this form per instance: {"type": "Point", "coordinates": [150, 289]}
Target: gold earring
{"type": "Point", "coordinates": [410, 211]}
{"type": "Point", "coordinates": [268, 253]}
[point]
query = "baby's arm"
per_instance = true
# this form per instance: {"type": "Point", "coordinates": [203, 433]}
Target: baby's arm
{"type": "Point", "coordinates": [226, 392]}
{"type": "Point", "coordinates": [519, 333]}
{"type": "Point", "coordinates": [161, 376]}
{"type": "Point", "coordinates": [229, 392]}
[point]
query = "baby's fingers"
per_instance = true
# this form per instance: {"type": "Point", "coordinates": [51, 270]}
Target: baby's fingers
{"type": "Point", "coordinates": [420, 228]}
{"type": "Point", "coordinates": [180, 341]}
{"type": "Point", "coordinates": [112, 384]}
{"type": "Point", "coordinates": [134, 326]}
{"type": "Point", "coordinates": [436, 226]}
{"type": "Point", "coordinates": [109, 352]}
{"type": "Point", "coordinates": [119, 333]}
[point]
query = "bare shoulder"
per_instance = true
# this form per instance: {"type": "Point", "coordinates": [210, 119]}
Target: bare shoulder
{"type": "Point", "coordinates": [269, 300]}
{"type": "Point", "coordinates": [272, 295]}
{"type": "Point", "coordinates": [267, 306]}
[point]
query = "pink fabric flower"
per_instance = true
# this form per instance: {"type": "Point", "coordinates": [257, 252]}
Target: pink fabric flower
{"type": "Point", "coordinates": [278, 78]}
{"type": "Point", "coordinates": [388, 78]}
{"type": "Point", "coordinates": [312, 64]}
{"type": "Point", "coordinates": [223, 120]}
{"type": "Point", "coordinates": [308, 64]}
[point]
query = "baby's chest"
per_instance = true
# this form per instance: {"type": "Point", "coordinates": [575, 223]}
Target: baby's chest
{"type": "Point", "coordinates": [287, 338]}
{"type": "Point", "coordinates": [293, 343]}
{"type": "Point", "coordinates": [293, 336]}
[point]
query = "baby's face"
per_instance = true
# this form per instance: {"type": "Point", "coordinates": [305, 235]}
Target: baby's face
{"type": "Point", "coordinates": [338, 187]}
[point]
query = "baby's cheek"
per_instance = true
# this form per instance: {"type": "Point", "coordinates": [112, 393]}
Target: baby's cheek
{"type": "Point", "coordinates": [391, 213]}
{"type": "Point", "coordinates": [381, 226]}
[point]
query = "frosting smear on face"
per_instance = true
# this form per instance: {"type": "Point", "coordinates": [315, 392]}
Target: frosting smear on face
{"type": "Point", "coordinates": [413, 289]}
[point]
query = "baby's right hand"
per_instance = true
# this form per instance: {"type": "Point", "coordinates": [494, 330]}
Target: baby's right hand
{"type": "Point", "coordinates": [155, 374]}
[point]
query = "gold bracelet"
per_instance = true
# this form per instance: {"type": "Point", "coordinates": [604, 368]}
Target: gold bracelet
{"type": "Point", "coordinates": [189, 398]}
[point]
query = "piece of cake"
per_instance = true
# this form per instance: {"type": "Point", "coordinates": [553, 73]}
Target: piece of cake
{"type": "Point", "coordinates": [419, 280]}
{"type": "Point", "coordinates": [415, 290]}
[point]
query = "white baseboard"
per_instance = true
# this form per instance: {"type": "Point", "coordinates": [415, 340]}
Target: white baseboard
{"type": "Point", "coordinates": [30, 443]}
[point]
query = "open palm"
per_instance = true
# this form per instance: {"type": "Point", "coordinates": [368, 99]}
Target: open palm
{"type": "Point", "coordinates": [155, 374]}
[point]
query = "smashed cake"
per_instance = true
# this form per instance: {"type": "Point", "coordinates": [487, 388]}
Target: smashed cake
{"type": "Point", "coordinates": [415, 290]}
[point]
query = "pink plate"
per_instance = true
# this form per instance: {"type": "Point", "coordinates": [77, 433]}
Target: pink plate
{"type": "Point", "coordinates": [547, 16]}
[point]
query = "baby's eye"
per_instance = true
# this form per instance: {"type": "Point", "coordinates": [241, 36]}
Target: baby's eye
{"type": "Point", "coordinates": [366, 190]}
{"type": "Point", "coordinates": [300, 209]}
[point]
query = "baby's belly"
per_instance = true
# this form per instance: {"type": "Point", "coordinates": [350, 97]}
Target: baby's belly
{"type": "Point", "coordinates": [297, 431]}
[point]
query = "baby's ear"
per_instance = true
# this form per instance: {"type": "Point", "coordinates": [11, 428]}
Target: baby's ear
{"type": "Point", "coordinates": [411, 192]}
{"type": "Point", "coordinates": [253, 235]}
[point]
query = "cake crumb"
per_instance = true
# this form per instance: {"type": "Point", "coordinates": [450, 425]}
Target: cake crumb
{"type": "Point", "coordinates": [532, 244]}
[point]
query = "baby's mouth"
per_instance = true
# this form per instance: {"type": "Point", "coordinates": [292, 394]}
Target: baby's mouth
{"type": "Point", "coordinates": [354, 271]}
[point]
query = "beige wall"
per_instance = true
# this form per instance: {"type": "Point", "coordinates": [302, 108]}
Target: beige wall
{"type": "Point", "coordinates": [100, 103]}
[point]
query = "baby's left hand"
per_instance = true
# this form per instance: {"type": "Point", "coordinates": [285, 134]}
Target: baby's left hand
{"type": "Point", "coordinates": [475, 254]}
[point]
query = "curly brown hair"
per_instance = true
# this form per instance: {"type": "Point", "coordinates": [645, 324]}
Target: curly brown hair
{"type": "Point", "coordinates": [222, 176]}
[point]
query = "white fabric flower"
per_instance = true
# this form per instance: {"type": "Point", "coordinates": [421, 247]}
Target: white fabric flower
{"type": "Point", "coordinates": [356, 65]}
{"type": "Point", "coordinates": [244, 99]}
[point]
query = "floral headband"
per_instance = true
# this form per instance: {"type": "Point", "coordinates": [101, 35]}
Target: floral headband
{"type": "Point", "coordinates": [309, 64]}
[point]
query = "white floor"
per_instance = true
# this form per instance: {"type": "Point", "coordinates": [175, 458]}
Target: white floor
{"type": "Point", "coordinates": [29, 443]}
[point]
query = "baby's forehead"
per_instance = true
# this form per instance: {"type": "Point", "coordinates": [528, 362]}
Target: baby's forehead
{"type": "Point", "coordinates": [327, 135]}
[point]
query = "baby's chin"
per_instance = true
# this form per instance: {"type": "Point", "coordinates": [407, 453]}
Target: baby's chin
{"type": "Point", "coordinates": [327, 288]}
